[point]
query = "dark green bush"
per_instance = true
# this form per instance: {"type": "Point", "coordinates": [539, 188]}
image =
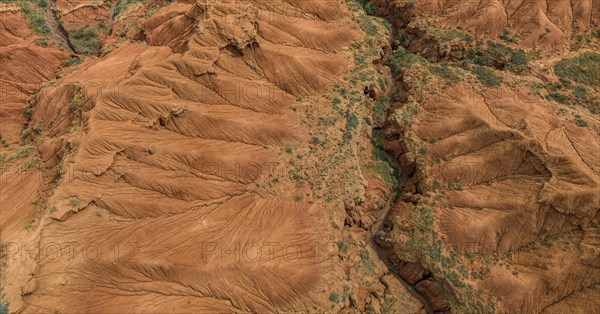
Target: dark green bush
{"type": "Point", "coordinates": [505, 35]}
{"type": "Point", "coordinates": [72, 61]}
{"type": "Point", "coordinates": [3, 304]}
{"type": "Point", "coordinates": [368, 7]}
{"type": "Point", "coordinates": [401, 59]}
{"type": "Point", "coordinates": [445, 72]}
{"type": "Point", "coordinates": [561, 98]}
{"type": "Point", "coordinates": [486, 76]}
{"type": "Point", "coordinates": [579, 121]}
{"type": "Point", "coordinates": [41, 42]}
{"type": "Point", "coordinates": [86, 40]}
{"type": "Point", "coordinates": [39, 25]}
{"type": "Point", "coordinates": [452, 34]}
{"type": "Point", "coordinates": [123, 4]}
{"type": "Point", "coordinates": [519, 57]}
{"type": "Point", "coordinates": [583, 69]}
{"type": "Point", "coordinates": [369, 28]}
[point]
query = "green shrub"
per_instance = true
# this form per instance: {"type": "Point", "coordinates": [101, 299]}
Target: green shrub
{"type": "Point", "coordinates": [405, 40]}
{"type": "Point", "coordinates": [456, 186]}
{"type": "Point", "coordinates": [519, 57]}
{"type": "Point", "coordinates": [452, 34]}
{"type": "Point", "coordinates": [579, 121]}
{"type": "Point", "coordinates": [31, 163]}
{"type": "Point", "coordinates": [499, 51]}
{"type": "Point", "coordinates": [422, 218]}
{"type": "Point", "coordinates": [381, 82]}
{"type": "Point", "coordinates": [352, 121]}
{"type": "Point", "coordinates": [380, 110]}
{"type": "Point", "coordinates": [499, 56]}
{"type": "Point", "coordinates": [74, 202]}
{"type": "Point", "coordinates": [85, 40]}
{"type": "Point", "coordinates": [486, 76]}
{"type": "Point", "coordinates": [453, 278]}
{"type": "Point", "coordinates": [369, 28]}
{"type": "Point", "coordinates": [27, 111]}
{"type": "Point", "coordinates": [580, 93]}
{"type": "Point", "coordinates": [24, 152]}
{"type": "Point", "coordinates": [401, 59]}
{"type": "Point", "coordinates": [368, 7]}
{"type": "Point", "coordinates": [448, 261]}
{"type": "Point", "coordinates": [3, 305]}
{"type": "Point", "coordinates": [381, 169]}
{"type": "Point", "coordinates": [342, 246]}
{"type": "Point", "coordinates": [583, 69]}
{"type": "Point", "coordinates": [41, 42]}
{"type": "Point", "coordinates": [505, 35]}
{"type": "Point", "coordinates": [72, 61]}
{"type": "Point", "coordinates": [407, 113]}
{"type": "Point", "coordinates": [445, 72]}
{"type": "Point", "coordinates": [105, 52]}
{"type": "Point", "coordinates": [555, 87]}
{"type": "Point", "coordinates": [123, 4]}
{"type": "Point", "coordinates": [35, 19]}
{"type": "Point", "coordinates": [41, 3]}
{"type": "Point", "coordinates": [74, 103]}
{"type": "Point", "coordinates": [463, 271]}
{"type": "Point", "coordinates": [561, 98]}
{"type": "Point", "coordinates": [39, 25]}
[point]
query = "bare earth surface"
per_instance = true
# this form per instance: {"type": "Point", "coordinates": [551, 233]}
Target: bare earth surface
{"type": "Point", "coordinates": [300, 156]}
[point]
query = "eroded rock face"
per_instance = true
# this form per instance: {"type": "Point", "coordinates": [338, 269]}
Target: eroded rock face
{"type": "Point", "coordinates": [504, 143]}
{"type": "Point", "coordinates": [154, 147]}
{"type": "Point", "coordinates": [534, 23]}
{"type": "Point", "coordinates": [76, 14]}
{"type": "Point", "coordinates": [221, 157]}
{"type": "Point", "coordinates": [179, 173]}
{"type": "Point", "coordinates": [24, 67]}
{"type": "Point", "coordinates": [502, 208]}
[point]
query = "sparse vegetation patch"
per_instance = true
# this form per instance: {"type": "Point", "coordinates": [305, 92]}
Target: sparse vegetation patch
{"type": "Point", "coordinates": [86, 39]}
{"type": "Point", "coordinates": [583, 69]}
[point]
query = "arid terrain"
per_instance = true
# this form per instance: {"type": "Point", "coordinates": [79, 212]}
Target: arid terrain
{"type": "Point", "coordinates": [384, 156]}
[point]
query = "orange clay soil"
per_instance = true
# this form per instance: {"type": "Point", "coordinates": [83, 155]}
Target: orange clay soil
{"type": "Point", "coordinates": [24, 67]}
{"type": "Point", "coordinates": [187, 169]}
{"type": "Point", "coordinates": [280, 156]}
